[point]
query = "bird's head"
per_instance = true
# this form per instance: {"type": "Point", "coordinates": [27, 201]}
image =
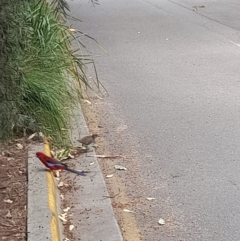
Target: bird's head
{"type": "Point", "coordinates": [95, 136]}
{"type": "Point", "coordinates": [40, 154]}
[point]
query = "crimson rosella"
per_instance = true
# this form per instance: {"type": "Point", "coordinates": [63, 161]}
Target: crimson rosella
{"type": "Point", "coordinates": [54, 164]}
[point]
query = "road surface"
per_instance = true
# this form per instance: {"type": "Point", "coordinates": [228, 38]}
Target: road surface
{"type": "Point", "coordinates": [172, 71]}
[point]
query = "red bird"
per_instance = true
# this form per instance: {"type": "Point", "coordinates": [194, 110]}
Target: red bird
{"type": "Point", "coordinates": [54, 164]}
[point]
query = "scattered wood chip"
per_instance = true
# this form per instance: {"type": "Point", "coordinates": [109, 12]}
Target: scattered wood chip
{"type": "Point", "coordinates": [118, 167]}
{"type": "Point", "coordinates": [62, 217]}
{"type": "Point", "coordinates": [19, 146]}
{"type": "Point", "coordinates": [66, 209]}
{"type": "Point", "coordinates": [8, 215]}
{"type": "Point", "coordinates": [6, 153]}
{"type": "Point", "coordinates": [150, 198]}
{"type": "Point", "coordinates": [109, 176]}
{"type": "Point", "coordinates": [161, 221]}
{"type": "Point", "coordinates": [91, 163]}
{"type": "Point", "coordinates": [57, 173]}
{"type": "Point", "coordinates": [8, 201]}
{"type": "Point", "coordinates": [60, 184]}
{"type": "Point", "coordinates": [71, 227]}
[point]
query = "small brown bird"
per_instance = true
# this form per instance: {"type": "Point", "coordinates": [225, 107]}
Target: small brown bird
{"type": "Point", "coordinates": [87, 140]}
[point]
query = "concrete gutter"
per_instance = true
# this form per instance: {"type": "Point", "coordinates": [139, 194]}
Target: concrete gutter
{"type": "Point", "coordinates": [92, 212]}
{"type": "Point", "coordinates": [93, 216]}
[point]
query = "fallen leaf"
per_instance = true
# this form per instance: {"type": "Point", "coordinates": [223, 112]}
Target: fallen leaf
{"type": "Point", "coordinates": [66, 209]}
{"type": "Point", "coordinates": [127, 211]}
{"type": "Point", "coordinates": [8, 201]}
{"type": "Point", "coordinates": [118, 167]}
{"type": "Point", "coordinates": [62, 196]}
{"type": "Point", "coordinates": [110, 175]}
{"type": "Point", "coordinates": [150, 198]}
{"type": "Point", "coordinates": [161, 221]}
{"type": "Point", "coordinates": [72, 30]}
{"type": "Point", "coordinates": [8, 215]}
{"type": "Point", "coordinates": [19, 146]}
{"type": "Point", "coordinates": [66, 239]}
{"type": "Point", "coordinates": [71, 227]}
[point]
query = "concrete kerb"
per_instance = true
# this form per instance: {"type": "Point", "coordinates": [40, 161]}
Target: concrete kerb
{"type": "Point", "coordinates": [43, 202]}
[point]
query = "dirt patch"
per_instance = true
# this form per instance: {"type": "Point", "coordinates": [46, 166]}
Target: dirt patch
{"type": "Point", "coordinates": [13, 190]}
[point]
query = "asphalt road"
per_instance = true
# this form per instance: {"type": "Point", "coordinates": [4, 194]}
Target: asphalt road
{"type": "Point", "coordinates": [173, 78]}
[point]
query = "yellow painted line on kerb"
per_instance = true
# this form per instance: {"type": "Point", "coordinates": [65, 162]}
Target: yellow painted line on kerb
{"type": "Point", "coordinates": [52, 199]}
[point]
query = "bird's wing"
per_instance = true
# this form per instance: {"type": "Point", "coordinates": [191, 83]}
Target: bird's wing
{"type": "Point", "coordinates": [55, 163]}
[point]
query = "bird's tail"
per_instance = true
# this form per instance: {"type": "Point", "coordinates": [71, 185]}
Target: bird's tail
{"type": "Point", "coordinates": [74, 171]}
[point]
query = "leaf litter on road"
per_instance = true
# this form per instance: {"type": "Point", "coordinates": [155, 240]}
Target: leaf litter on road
{"type": "Point", "coordinates": [127, 210]}
{"type": "Point", "coordinates": [150, 198]}
{"type": "Point", "coordinates": [119, 167]}
{"type": "Point", "coordinates": [71, 227]}
{"type": "Point", "coordinates": [109, 176]}
{"type": "Point", "coordinates": [161, 221]}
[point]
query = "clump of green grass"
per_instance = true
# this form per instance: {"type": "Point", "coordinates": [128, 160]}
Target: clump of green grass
{"type": "Point", "coordinates": [43, 75]}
